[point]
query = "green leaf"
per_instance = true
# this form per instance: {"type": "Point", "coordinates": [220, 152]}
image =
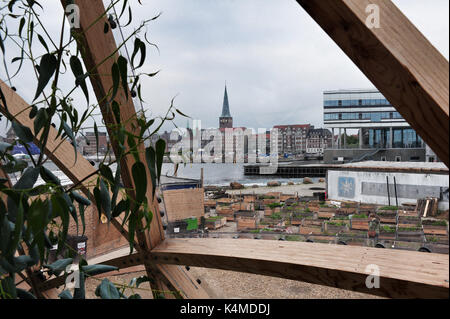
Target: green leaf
{"type": "Point", "coordinates": [70, 134]}
{"type": "Point", "coordinates": [150, 156]}
{"type": "Point", "coordinates": [28, 179]}
{"type": "Point", "coordinates": [122, 206]}
{"type": "Point", "coordinates": [44, 44]}
{"type": "Point", "coordinates": [140, 181]}
{"type": "Point", "coordinates": [80, 199]}
{"type": "Point", "coordinates": [4, 147]}
{"type": "Point", "coordinates": [135, 296]}
{"type": "Point", "coordinates": [47, 68]}
{"type": "Point", "coordinates": [23, 262]}
{"type": "Point", "coordinates": [22, 132]}
{"type": "Point", "coordinates": [115, 72]}
{"type": "Point", "coordinates": [123, 67]}
{"type": "Point", "coordinates": [77, 70]}
{"type": "Point", "coordinates": [40, 120]}
{"type": "Point", "coordinates": [107, 290]}
{"type": "Point", "coordinates": [59, 266]}
{"type": "Point", "coordinates": [21, 25]}
{"type": "Point", "coordinates": [96, 136]}
{"type": "Point", "coordinates": [93, 270]}
{"type": "Point", "coordinates": [106, 172]}
{"type": "Point", "coordinates": [160, 150]}
{"type": "Point", "coordinates": [48, 176]}
{"type": "Point", "coordinates": [33, 111]}
{"type": "Point", "coordinates": [105, 199]}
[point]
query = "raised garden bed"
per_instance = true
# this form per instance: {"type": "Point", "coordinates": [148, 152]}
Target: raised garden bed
{"type": "Point", "coordinates": [436, 239]}
{"type": "Point", "coordinates": [438, 248]}
{"type": "Point", "coordinates": [310, 230]}
{"type": "Point", "coordinates": [215, 222]}
{"type": "Point", "coordinates": [334, 227]}
{"type": "Point", "coordinates": [387, 216]}
{"type": "Point", "coordinates": [268, 201]}
{"type": "Point", "coordinates": [325, 215]}
{"type": "Point", "coordinates": [359, 222]}
{"type": "Point", "coordinates": [387, 232]}
{"type": "Point", "coordinates": [312, 222]}
{"type": "Point", "coordinates": [409, 233]}
{"type": "Point", "coordinates": [435, 227]}
{"type": "Point", "coordinates": [409, 220]}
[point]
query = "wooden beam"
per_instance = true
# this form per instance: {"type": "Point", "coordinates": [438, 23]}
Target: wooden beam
{"type": "Point", "coordinates": [60, 151]}
{"type": "Point", "coordinates": [99, 52]}
{"type": "Point", "coordinates": [397, 58]}
{"type": "Point", "coordinates": [403, 274]}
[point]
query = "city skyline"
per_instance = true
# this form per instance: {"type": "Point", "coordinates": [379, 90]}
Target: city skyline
{"type": "Point", "coordinates": [276, 60]}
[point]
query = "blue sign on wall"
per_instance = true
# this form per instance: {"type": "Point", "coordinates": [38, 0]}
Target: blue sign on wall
{"type": "Point", "coordinates": [346, 187]}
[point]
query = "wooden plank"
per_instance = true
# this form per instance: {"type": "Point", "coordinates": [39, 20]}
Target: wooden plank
{"type": "Point", "coordinates": [184, 203]}
{"type": "Point", "coordinates": [97, 47]}
{"type": "Point", "coordinates": [331, 265]}
{"type": "Point", "coordinates": [406, 68]}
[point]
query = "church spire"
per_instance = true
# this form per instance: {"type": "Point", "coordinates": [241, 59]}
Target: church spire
{"type": "Point", "coordinates": [226, 106]}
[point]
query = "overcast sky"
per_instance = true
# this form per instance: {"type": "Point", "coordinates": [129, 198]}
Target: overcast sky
{"type": "Point", "coordinates": [275, 59]}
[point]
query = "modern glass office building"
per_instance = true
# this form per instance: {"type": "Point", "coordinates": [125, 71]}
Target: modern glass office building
{"type": "Point", "coordinates": [379, 125]}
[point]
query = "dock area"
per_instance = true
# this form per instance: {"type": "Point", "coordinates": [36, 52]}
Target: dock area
{"type": "Point", "coordinates": [290, 170]}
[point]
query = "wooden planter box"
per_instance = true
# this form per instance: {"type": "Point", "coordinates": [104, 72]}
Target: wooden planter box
{"type": "Point", "coordinates": [216, 224]}
{"type": "Point", "coordinates": [348, 211]}
{"type": "Point", "coordinates": [438, 249]}
{"type": "Point", "coordinates": [388, 235]}
{"type": "Point", "coordinates": [387, 216]}
{"type": "Point", "coordinates": [312, 222]}
{"type": "Point", "coordinates": [296, 221]}
{"type": "Point", "coordinates": [228, 213]}
{"type": "Point", "coordinates": [435, 230]}
{"type": "Point", "coordinates": [246, 223]}
{"type": "Point", "coordinates": [436, 239]}
{"type": "Point", "coordinates": [268, 201]}
{"type": "Point", "coordinates": [325, 215]}
{"type": "Point", "coordinates": [409, 234]}
{"type": "Point", "coordinates": [360, 223]}
{"type": "Point", "coordinates": [334, 229]}
{"type": "Point", "coordinates": [327, 209]}
{"type": "Point", "coordinates": [308, 230]}
{"type": "Point", "coordinates": [268, 212]}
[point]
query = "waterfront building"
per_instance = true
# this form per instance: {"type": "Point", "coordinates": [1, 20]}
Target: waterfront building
{"type": "Point", "coordinates": [317, 140]}
{"type": "Point", "coordinates": [292, 138]}
{"type": "Point", "coordinates": [383, 133]}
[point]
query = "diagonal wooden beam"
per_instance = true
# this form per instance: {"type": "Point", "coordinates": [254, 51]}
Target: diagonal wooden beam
{"type": "Point", "coordinates": [99, 52]}
{"type": "Point", "coordinates": [424, 275]}
{"type": "Point", "coordinates": [407, 69]}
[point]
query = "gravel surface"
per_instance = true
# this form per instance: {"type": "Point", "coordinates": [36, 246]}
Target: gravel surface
{"type": "Point", "coordinates": [221, 284]}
